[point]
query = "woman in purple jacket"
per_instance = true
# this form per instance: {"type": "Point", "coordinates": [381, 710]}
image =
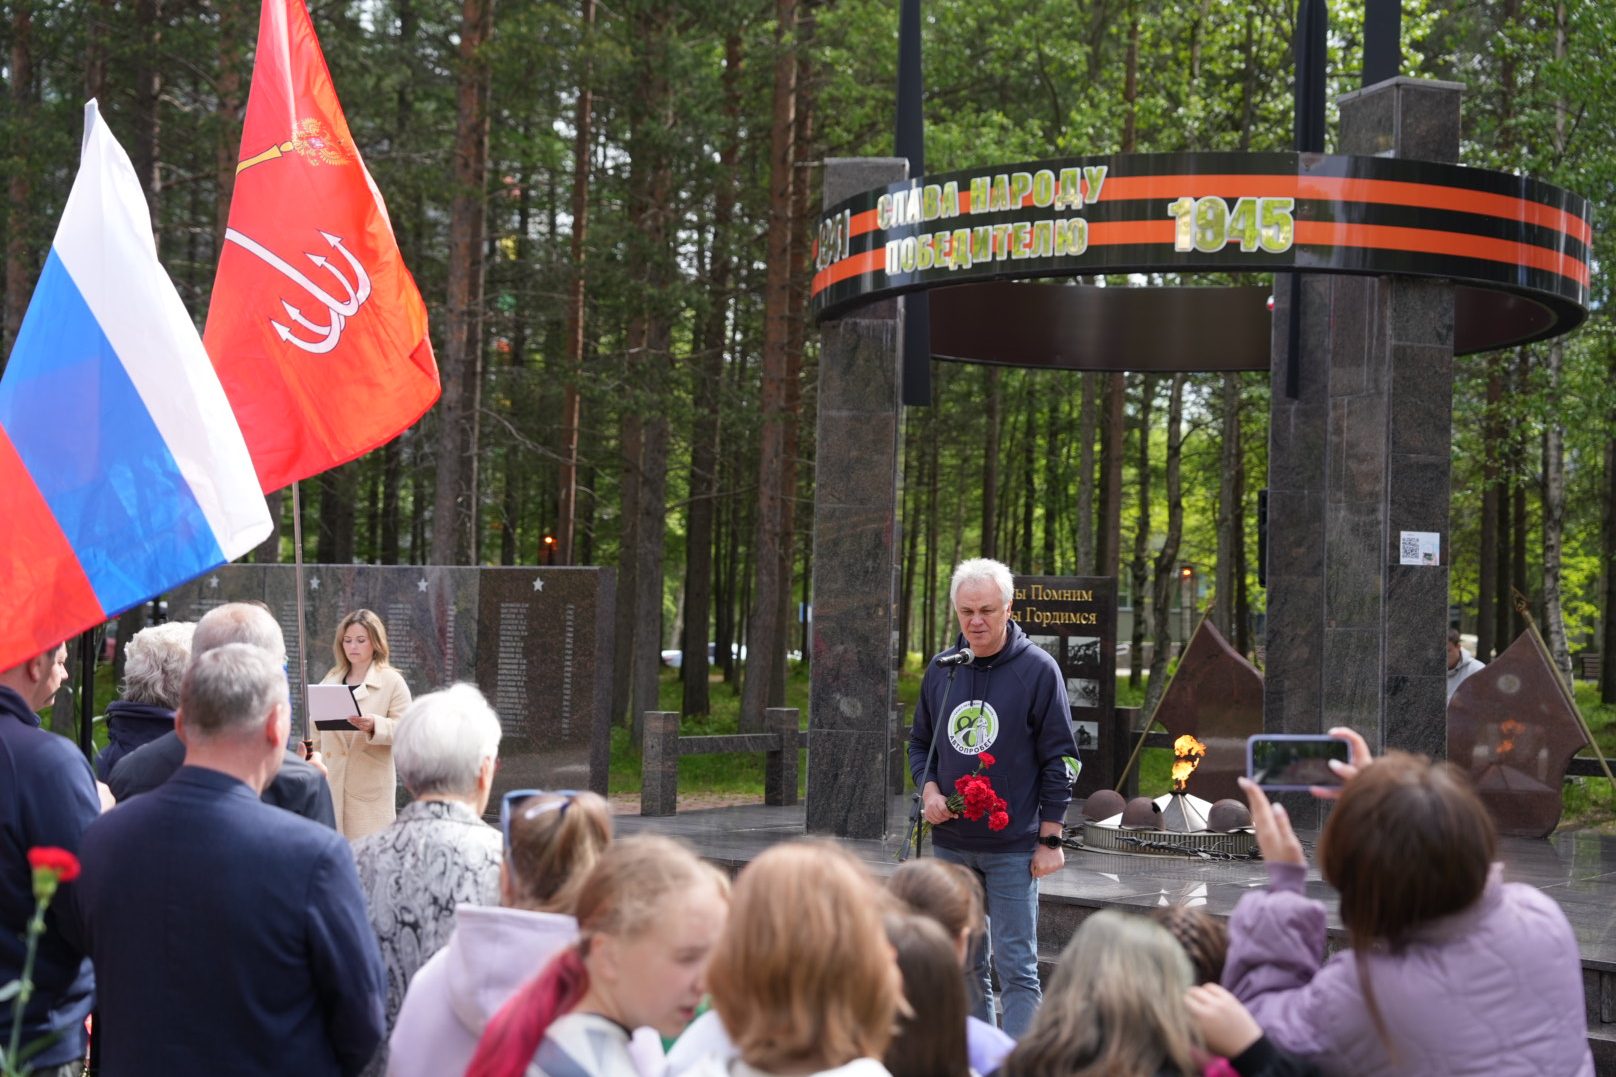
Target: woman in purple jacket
{"type": "Point", "coordinates": [1451, 970]}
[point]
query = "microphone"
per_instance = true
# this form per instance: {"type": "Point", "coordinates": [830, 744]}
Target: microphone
{"type": "Point", "coordinates": [961, 658]}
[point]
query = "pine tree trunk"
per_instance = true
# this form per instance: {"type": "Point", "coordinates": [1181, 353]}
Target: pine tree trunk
{"type": "Point", "coordinates": [454, 514]}
{"type": "Point", "coordinates": [909, 511]}
{"type": "Point", "coordinates": [1087, 424]}
{"type": "Point", "coordinates": [147, 92]}
{"type": "Point", "coordinates": [516, 472]}
{"type": "Point", "coordinates": [1497, 566]}
{"type": "Point", "coordinates": [1167, 559]}
{"type": "Point", "coordinates": [765, 630]}
{"type": "Point", "coordinates": [268, 552]}
{"type": "Point", "coordinates": [1139, 568]}
{"type": "Point", "coordinates": [1518, 521]}
{"type": "Point", "coordinates": [802, 239]}
{"type": "Point", "coordinates": [1607, 647]}
{"type": "Point", "coordinates": [630, 440]}
{"type": "Point", "coordinates": [1054, 492]}
{"type": "Point", "coordinates": [990, 462]}
{"type": "Point", "coordinates": [1554, 478]}
{"type": "Point", "coordinates": [651, 362]}
{"type": "Point", "coordinates": [1554, 523]}
{"type": "Point", "coordinates": [930, 644]}
{"type": "Point", "coordinates": [577, 287]}
{"type": "Point", "coordinates": [392, 480]}
{"type": "Point", "coordinates": [1029, 474]}
{"type": "Point", "coordinates": [19, 187]}
{"type": "Point", "coordinates": [708, 372]}
{"type": "Point", "coordinates": [1230, 509]}
{"type": "Point", "coordinates": [946, 616]}
{"type": "Point", "coordinates": [339, 487]}
{"type": "Point", "coordinates": [1113, 431]}
{"type": "Point", "coordinates": [96, 55]}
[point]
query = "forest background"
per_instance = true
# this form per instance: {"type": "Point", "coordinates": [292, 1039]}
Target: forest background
{"type": "Point", "coordinates": [607, 205]}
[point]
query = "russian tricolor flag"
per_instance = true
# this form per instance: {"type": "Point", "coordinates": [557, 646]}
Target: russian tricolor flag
{"type": "Point", "coordinates": [122, 470]}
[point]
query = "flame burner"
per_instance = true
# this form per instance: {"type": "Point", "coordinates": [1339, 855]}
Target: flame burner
{"type": "Point", "coordinates": [1184, 814]}
{"type": "Point", "coordinates": [1181, 820]}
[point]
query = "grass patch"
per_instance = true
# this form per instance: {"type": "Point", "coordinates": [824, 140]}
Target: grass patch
{"type": "Point", "coordinates": [1590, 803]}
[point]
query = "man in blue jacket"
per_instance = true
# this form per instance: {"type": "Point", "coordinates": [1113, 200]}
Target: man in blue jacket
{"type": "Point", "coordinates": [47, 798]}
{"type": "Point", "coordinates": [228, 936]}
{"type": "Point", "coordinates": [1006, 702]}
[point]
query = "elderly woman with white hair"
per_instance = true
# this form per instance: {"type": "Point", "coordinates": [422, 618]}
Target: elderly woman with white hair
{"type": "Point", "coordinates": [154, 662]}
{"type": "Point", "coordinates": [438, 853]}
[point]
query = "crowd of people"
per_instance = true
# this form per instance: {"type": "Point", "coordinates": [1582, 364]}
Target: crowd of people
{"type": "Point", "coordinates": [216, 928]}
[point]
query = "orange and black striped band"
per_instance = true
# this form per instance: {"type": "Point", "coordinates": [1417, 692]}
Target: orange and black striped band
{"type": "Point", "coordinates": [1157, 214]}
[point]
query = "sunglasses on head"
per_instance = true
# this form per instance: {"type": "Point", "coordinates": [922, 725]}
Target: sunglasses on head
{"type": "Point", "coordinates": [512, 802]}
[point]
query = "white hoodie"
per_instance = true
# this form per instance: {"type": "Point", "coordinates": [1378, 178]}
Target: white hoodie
{"type": "Point", "coordinates": [492, 952]}
{"type": "Point", "coordinates": [1468, 664]}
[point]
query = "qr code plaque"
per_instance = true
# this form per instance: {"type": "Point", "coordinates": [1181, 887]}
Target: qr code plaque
{"type": "Point", "coordinates": [1419, 548]}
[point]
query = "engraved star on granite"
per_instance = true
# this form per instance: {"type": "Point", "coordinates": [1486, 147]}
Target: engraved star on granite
{"type": "Point", "coordinates": [538, 583]}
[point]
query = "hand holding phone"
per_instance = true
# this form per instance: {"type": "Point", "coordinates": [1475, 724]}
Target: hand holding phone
{"type": "Point", "coordinates": [1296, 763]}
{"type": "Point", "coordinates": [1275, 838]}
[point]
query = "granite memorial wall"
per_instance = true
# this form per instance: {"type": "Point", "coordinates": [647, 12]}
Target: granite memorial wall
{"type": "Point", "coordinates": [537, 641]}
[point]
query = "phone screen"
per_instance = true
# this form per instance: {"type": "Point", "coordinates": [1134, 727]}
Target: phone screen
{"type": "Point", "coordinates": [1295, 762]}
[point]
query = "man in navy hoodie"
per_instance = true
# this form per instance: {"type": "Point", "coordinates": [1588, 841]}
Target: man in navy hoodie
{"type": "Point", "coordinates": [1006, 702]}
{"type": "Point", "coordinates": [47, 798]}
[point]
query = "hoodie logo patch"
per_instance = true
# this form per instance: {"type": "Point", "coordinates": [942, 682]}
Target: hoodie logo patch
{"type": "Point", "coordinates": [973, 727]}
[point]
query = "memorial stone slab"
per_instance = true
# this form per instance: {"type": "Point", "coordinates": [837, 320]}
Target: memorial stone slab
{"type": "Point", "coordinates": [1217, 697]}
{"type": "Point", "coordinates": [1513, 727]}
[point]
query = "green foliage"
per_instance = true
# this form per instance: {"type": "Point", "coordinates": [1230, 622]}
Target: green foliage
{"type": "Point", "coordinates": [1007, 81]}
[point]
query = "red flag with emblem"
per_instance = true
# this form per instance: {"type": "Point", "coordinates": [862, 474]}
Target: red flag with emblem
{"type": "Point", "coordinates": [316, 328]}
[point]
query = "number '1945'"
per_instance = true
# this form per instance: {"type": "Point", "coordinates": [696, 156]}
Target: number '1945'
{"type": "Point", "coordinates": [1207, 224]}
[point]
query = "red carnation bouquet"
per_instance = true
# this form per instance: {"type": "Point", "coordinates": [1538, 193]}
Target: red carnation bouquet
{"type": "Point", "coordinates": [974, 797]}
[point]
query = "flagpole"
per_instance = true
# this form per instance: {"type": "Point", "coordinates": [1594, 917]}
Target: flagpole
{"type": "Point", "coordinates": [87, 693]}
{"type": "Point", "coordinates": [302, 659]}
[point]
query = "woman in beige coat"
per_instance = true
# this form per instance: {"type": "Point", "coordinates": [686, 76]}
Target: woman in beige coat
{"type": "Point", "coordinates": [363, 781]}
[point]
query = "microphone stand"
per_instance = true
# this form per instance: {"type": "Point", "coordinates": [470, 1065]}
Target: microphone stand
{"type": "Point", "coordinates": [916, 808]}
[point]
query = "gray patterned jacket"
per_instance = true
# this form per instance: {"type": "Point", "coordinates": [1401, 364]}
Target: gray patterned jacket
{"type": "Point", "coordinates": [434, 856]}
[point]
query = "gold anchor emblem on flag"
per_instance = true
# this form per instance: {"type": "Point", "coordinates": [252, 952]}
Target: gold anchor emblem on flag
{"type": "Point", "coordinates": [311, 141]}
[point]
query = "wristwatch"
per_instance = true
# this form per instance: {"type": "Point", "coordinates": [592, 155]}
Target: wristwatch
{"type": "Point", "coordinates": [1050, 841]}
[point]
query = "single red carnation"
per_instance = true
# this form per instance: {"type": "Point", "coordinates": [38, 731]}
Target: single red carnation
{"type": "Point", "coordinates": [60, 862]}
{"type": "Point", "coordinates": [986, 759]}
{"type": "Point", "coordinates": [998, 820]}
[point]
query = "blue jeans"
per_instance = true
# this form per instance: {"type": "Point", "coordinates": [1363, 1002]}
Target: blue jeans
{"type": "Point", "coordinates": [1012, 907]}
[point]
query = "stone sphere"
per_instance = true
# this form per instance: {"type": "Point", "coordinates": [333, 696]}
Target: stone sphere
{"type": "Point", "coordinates": [1102, 804]}
{"type": "Point", "coordinates": [1141, 814]}
{"type": "Point", "coordinates": [1227, 815]}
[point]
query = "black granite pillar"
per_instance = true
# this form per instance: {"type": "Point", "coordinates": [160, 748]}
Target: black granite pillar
{"type": "Point", "coordinates": [1361, 456]}
{"type": "Point", "coordinates": [852, 693]}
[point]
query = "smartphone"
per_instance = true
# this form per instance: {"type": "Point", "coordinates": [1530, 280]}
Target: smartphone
{"type": "Point", "coordinates": [1294, 762]}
